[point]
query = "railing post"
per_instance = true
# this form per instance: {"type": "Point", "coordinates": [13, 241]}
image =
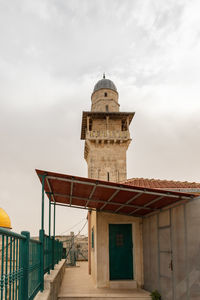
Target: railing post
{"type": "Point", "coordinates": [24, 264]}
{"type": "Point", "coordinates": [54, 241]}
{"type": "Point", "coordinates": [53, 247]}
{"type": "Point", "coordinates": [54, 220]}
{"type": "Point", "coordinates": [42, 212]}
{"type": "Point", "coordinates": [49, 238]}
{"type": "Point", "coordinates": [49, 214]}
{"type": "Point", "coordinates": [42, 259]}
{"type": "Point", "coordinates": [57, 251]}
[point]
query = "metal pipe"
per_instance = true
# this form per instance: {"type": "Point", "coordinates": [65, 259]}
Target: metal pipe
{"type": "Point", "coordinates": [42, 221]}
{"type": "Point", "coordinates": [54, 220]}
{"type": "Point", "coordinates": [106, 202]}
{"type": "Point", "coordinates": [93, 209]}
{"type": "Point", "coordinates": [122, 188]}
{"type": "Point", "coordinates": [91, 194]}
{"type": "Point", "coordinates": [129, 201]}
{"type": "Point", "coordinates": [109, 200]}
{"type": "Point", "coordinates": [7, 232]}
{"type": "Point", "coordinates": [149, 203]}
{"type": "Point", "coordinates": [49, 214]}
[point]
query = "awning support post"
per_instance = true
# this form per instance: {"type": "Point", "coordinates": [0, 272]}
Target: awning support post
{"type": "Point", "coordinates": [54, 220]}
{"type": "Point", "coordinates": [49, 214]}
{"type": "Point", "coordinates": [53, 239]}
{"type": "Point", "coordinates": [42, 221]}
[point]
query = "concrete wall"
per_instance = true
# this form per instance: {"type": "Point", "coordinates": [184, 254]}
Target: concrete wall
{"type": "Point", "coordinates": [100, 267]}
{"type": "Point", "coordinates": [52, 283]}
{"type": "Point", "coordinates": [93, 222]}
{"type": "Point", "coordinates": [172, 252]}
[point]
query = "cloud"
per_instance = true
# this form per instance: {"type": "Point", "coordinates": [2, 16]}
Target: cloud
{"type": "Point", "coordinates": [51, 55]}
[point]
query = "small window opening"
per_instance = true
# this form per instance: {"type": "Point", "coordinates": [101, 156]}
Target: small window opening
{"type": "Point", "coordinates": [90, 125]}
{"type": "Point", "coordinates": [119, 240]}
{"type": "Point", "coordinates": [123, 127]}
{"type": "Point", "coordinates": [107, 108]}
{"type": "Point", "coordinates": [105, 94]}
{"type": "Point", "coordinates": [108, 176]}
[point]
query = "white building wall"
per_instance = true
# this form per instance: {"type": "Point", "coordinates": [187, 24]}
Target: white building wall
{"type": "Point", "coordinates": [172, 252]}
{"type": "Point", "coordinates": [100, 255]}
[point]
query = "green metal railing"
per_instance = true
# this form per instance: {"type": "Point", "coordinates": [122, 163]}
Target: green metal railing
{"type": "Point", "coordinates": [11, 269]}
{"type": "Point", "coordinates": [24, 261]}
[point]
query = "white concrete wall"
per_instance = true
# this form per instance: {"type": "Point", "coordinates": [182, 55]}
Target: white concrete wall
{"type": "Point", "coordinates": [173, 235]}
{"type": "Point", "coordinates": [100, 267]}
{"type": "Point", "coordinates": [94, 250]}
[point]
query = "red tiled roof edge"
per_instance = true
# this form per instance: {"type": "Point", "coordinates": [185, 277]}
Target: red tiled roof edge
{"type": "Point", "coordinates": [161, 184]}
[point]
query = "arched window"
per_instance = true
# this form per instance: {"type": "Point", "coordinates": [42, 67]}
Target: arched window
{"type": "Point", "coordinates": [107, 108]}
{"type": "Point", "coordinates": [105, 94]}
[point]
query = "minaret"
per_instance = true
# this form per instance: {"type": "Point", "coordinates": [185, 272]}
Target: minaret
{"type": "Point", "coordinates": [106, 133]}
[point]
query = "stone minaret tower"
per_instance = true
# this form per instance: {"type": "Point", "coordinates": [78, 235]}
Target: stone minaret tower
{"type": "Point", "coordinates": [106, 133]}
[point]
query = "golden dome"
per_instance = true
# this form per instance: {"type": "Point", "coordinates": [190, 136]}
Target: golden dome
{"type": "Point", "coordinates": [4, 219]}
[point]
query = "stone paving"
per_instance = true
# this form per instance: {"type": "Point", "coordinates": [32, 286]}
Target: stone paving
{"type": "Point", "coordinates": [77, 284]}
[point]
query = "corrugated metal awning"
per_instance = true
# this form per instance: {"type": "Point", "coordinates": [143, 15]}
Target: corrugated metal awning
{"type": "Point", "coordinates": [85, 193]}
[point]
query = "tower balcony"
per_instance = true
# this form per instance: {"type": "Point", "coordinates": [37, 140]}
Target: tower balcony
{"type": "Point", "coordinates": [108, 135]}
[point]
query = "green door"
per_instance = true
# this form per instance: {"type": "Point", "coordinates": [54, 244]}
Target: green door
{"type": "Point", "coordinates": [120, 251]}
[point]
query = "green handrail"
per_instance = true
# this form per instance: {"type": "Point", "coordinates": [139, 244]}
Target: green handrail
{"type": "Point", "coordinates": [24, 261]}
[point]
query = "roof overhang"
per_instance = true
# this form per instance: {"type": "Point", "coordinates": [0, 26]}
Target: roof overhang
{"type": "Point", "coordinates": [85, 193]}
{"type": "Point", "coordinates": [102, 115]}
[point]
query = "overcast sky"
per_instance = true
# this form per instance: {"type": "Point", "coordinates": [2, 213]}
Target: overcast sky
{"type": "Point", "coordinates": [51, 55]}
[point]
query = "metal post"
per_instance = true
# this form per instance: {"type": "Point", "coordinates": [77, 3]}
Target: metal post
{"type": "Point", "coordinates": [2, 263]}
{"type": "Point", "coordinates": [49, 239]}
{"type": "Point", "coordinates": [41, 260]}
{"type": "Point", "coordinates": [24, 264]}
{"type": "Point", "coordinates": [53, 240]}
{"type": "Point", "coordinates": [53, 247]}
{"type": "Point", "coordinates": [49, 214]}
{"type": "Point", "coordinates": [42, 221]}
{"type": "Point", "coordinates": [54, 220]}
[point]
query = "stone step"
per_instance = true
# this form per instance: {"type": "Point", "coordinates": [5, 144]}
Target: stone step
{"type": "Point", "coordinates": [123, 284]}
{"type": "Point", "coordinates": [68, 297]}
{"type": "Point", "coordinates": [130, 296]}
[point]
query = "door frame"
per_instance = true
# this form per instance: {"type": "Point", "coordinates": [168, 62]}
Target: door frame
{"type": "Point", "coordinates": [133, 249]}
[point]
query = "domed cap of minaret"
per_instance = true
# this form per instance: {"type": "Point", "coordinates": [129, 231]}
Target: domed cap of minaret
{"type": "Point", "coordinates": [105, 84]}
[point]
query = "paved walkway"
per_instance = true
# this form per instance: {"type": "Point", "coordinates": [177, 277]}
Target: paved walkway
{"type": "Point", "coordinates": [77, 284]}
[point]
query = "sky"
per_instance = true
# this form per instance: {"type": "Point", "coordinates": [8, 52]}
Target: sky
{"type": "Point", "coordinates": [52, 52]}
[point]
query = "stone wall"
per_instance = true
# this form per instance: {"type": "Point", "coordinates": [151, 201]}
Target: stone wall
{"type": "Point", "coordinates": [99, 100]}
{"type": "Point", "coordinates": [107, 158]}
